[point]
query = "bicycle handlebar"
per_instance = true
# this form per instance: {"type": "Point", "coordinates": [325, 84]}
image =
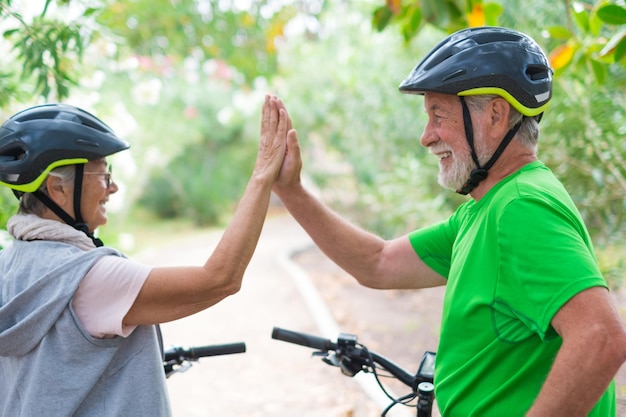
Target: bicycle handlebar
{"type": "Point", "coordinates": [303, 339]}
{"type": "Point", "coordinates": [346, 346]}
{"type": "Point", "coordinates": [353, 357]}
{"type": "Point", "coordinates": [194, 353]}
{"type": "Point", "coordinates": [177, 359]}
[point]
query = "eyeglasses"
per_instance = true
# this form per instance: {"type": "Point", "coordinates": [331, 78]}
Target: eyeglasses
{"type": "Point", "coordinates": [107, 175]}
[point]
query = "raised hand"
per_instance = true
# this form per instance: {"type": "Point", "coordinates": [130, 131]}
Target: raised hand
{"type": "Point", "coordinates": [292, 163]}
{"type": "Point", "coordinates": [272, 145]}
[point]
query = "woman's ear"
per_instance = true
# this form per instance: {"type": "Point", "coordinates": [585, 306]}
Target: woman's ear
{"type": "Point", "coordinates": [58, 191]}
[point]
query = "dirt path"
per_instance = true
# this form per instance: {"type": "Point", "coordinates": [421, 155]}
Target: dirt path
{"type": "Point", "coordinates": [272, 379]}
{"type": "Point", "coordinates": [276, 379]}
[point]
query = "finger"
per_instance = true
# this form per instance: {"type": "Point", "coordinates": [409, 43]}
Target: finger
{"type": "Point", "coordinates": [281, 105]}
{"type": "Point", "coordinates": [270, 122]}
{"type": "Point", "coordinates": [282, 123]}
{"type": "Point", "coordinates": [293, 146]}
{"type": "Point", "coordinates": [274, 116]}
{"type": "Point", "coordinates": [265, 113]}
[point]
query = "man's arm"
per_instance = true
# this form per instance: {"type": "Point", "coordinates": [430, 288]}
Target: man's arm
{"type": "Point", "coordinates": [593, 349]}
{"type": "Point", "coordinates": [374, 262]}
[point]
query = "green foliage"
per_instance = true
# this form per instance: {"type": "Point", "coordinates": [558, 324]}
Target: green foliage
{"type": "Point", "coordinates": [194, 139]}
{"type": "Point", "coordinates": [360, 136]}
{"type": "Point", "coordinates": [206, 178]}
{"type": "Point", "coordinates": [8, 205]}
{"type": "Point", "coordinates": [588, 152]}
{"type": "Point", "coordinates": [594, 34]}
{"type": "Point", "coordinates": [48, 46]}
{"type": "Point", "coordinates": [612, 264]}
{"type": "Point", "coordinates": [205, 60]}
{"type": "Point", "coordinates": [203, 182]}
{"type": "Point", "coordinates": [449, 15]}
{"type": "Point", "coordinates": [245, 38]}
{"type": "Point", "coordinates": [44, 48]}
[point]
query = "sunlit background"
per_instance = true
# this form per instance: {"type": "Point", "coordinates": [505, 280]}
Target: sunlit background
{"type": "Point", "coordinates": [183, 82]}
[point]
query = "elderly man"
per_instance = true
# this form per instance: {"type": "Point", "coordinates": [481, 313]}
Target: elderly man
{"type": "Point", "coordinates": [528, 327]}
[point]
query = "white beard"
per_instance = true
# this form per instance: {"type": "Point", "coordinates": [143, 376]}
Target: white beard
{"type": "Point", "coordinates": [462, 166]}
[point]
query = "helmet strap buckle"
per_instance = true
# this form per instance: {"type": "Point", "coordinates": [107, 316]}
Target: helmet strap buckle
{"type": "Point", "coordinates": [475, 178]}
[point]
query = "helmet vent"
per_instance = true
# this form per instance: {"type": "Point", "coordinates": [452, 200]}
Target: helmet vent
{"type": "Point", "coordinates": [536, 73]}
{"type": "Point", "coordinates": [27, 117]}
{"type": "Point", "coordinates": [87, 142]}
{"type": "Point", "coordinates": [436, 60]}
{"type": "Point", "coordinates": [14, 153]}
{"type": "Point", "coordinates": [91, 124]}
{"type": "Point", "coordinates": [491, 37]}
{"type": "Point", "coordinates": [454, 74]}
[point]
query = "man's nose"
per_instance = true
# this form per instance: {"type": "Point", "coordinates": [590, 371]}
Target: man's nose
{"type": "Point", "coordinates": [428, 136]}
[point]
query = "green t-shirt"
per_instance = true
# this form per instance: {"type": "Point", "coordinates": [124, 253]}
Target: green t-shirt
{"type": "Point", "coordinates": [512, 260]}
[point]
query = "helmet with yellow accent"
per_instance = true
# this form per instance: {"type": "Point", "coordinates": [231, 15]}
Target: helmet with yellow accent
{"type": "Point", "coordinates": [486, 60]}
{"type": "Point", "coordinates": [35, 141]}
{"type": "Point", "coordinates": [39, 139]}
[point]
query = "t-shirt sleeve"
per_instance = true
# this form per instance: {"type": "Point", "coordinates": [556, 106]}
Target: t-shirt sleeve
{"type": "Point", "coordinates": [434, 245]}
{"type": "Point", "coordinates": [546, 258]}
{"type": "Point", "coordinates": [106, 294]}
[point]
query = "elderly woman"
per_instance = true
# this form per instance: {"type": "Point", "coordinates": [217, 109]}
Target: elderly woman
{"type": "Point", "coordinates": [77, 319]}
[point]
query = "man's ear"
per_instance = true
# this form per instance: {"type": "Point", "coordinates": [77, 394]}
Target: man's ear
{"type": "Point", "coordinates": [498, 112]}
{"type": "Point", "coordinates": [58, 191]}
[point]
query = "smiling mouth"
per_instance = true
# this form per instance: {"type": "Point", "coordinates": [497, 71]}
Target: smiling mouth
{"type": "Point", "coordinates": [442, 154]}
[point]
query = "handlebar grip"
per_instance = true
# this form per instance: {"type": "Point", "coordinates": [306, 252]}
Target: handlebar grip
{"type": "Point", "coordinates": [178, 353]}
{"type": "Point", "coordinates": [303, 339]}
{"type": "Point", "coordinates": [214, 350]}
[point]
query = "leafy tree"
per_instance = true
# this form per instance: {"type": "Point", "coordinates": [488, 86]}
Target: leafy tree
{"type": "Point", "coordinates": [204, 57]}
{"type": "Point", "coordinates": [47, 40]}
{"type": "Point", "coordinates": [244, 38]}
{"type": "Point", "coordinates": [47, 47]}
{"type": "Point", "coordinates": [360, 135]}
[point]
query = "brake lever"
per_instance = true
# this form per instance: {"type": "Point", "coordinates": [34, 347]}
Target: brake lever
{"type": "Point", "coordinates": [328, 358]}
{"type": "Point", "coordinates": [347, 356]}
{"type": "Point", "coordinates": [183, 367]}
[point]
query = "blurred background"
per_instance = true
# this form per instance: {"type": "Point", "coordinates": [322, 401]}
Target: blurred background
{"type": "Point", "coordinates": [183, 82]}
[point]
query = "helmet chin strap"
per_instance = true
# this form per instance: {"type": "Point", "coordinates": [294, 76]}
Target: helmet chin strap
{"type": "Point", "coordinates": [77, 223]}
{"type": "Point", "coordinates": [479, 173]}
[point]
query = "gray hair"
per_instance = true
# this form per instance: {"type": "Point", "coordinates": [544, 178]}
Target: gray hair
{"type": "Point", "coordinates": [528, 133]}
{"type": "Point", "coordinates": [29, 204]}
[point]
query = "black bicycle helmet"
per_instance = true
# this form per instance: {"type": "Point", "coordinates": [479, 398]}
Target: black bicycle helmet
{"type": "Point", "coordinates": [35, 141]}
{"type": "Point", "coordinates": [481, 61]}
{"type": "Point", "coordinates": [41, 138]}
{"type": "Point", "coordinates": [486, 60]}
